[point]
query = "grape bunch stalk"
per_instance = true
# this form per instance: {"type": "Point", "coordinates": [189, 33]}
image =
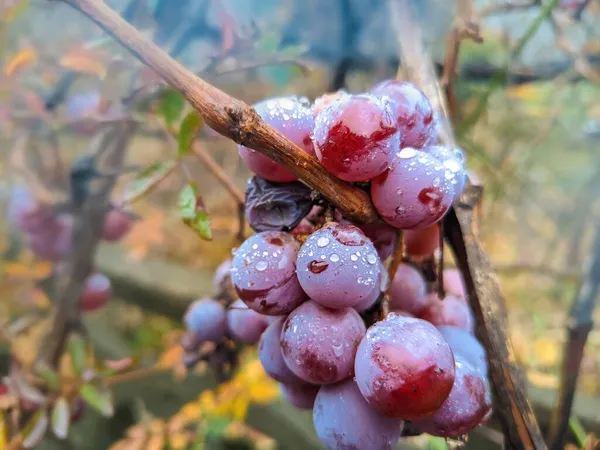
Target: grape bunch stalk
{"type": "Point", "coordinates": [310, 284]}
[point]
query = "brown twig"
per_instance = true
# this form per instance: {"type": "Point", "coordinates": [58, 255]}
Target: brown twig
{"type": "Point", "coordinates": [579, 325]}
{"type": "Point", "coordinates": [218, 172]}
{"type": "Point", "coordinates": [87, 228]}
{"type": "Point", "coordinates": [231, 117]}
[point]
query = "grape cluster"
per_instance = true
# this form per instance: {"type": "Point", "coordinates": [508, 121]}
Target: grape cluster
{"type": "Point", "coordinates": [49, 236]}
{"type": "Point", "coordinates": [310, 285]}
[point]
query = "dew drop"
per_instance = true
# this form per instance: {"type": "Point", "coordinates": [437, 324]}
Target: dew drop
{"type": "Point", "coordinates": [407, 153]}
{"type": "Point", "coordinates": [371, 258]}
{"type": "Point", "coordinates": [254, 246]}
{"type": "Point", "coordinates": [334, 257]}
{"type": "Point", "coordinates": [354, 257]}
{"type": "Point", "coordinates": [261, 266]}
{"type": "Point", "coordinates": [322, 242]}
{"type": "Point", "coordinates": [400, 211]}
{"type": "Point", "coordinates": [399, 191]}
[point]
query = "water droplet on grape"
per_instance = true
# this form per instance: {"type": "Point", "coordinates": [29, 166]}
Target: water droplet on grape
{"type": "Point", "coordinates": [371, 258]}
{"type": "Point", "coordinates": [407, 153]}
{"type": "Point", "coordinates": [399, 191]}
{"type": "Point", "coordinates": [261, 266]}
{"type": "Point", "coordinates": [334, 258]}
{"type": "Point", "coordinates": [322, 242]}
{"type": "Point", "coordinates": [254, 246]}
{"type": "Point", "coordinates": [354, 257]}
{"type": "Point", "coordinates": [400, 210]}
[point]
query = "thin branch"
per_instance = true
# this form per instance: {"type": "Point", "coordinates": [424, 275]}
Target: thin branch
{"type": "Point", "coordinates": [87, 228]}
{"type": "Point", "coordinates": [218, 172]}
{"type": "Point", "coordinates": [231, 117]}
{"type": "Point", "coordinates": [579, 325]}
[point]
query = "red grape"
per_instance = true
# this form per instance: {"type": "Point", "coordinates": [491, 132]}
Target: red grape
{"type": "Point", "coordinates": [325, 100]}
{"type": "Point", "coordinates": [292, 118]}
{"type": "Point", "coordinates": [412, 110]}
{"type": "Point", "coordinates": [408, 291]}
{"type": "Point", "coordinates": [222, 276]}
{"type": "Point", "coordinates": [404, 367]}
{"type": "Point", "coordinates": [421, 244]}
{"type": "Point", "coordinates": [383, 237]}
{"type": "Point", "coordinates": [465, 407]}
{"type": "Point", "coordinates": [369, 301]}
{"type": "Point", "coordinates": [454, 283]}
{"type": "Point", "coordinates": [263, 272]}
{"type": "Point", "coordinates": [319, 343]}
{"type": "Point", "coordinates": [304, 227]}
{"type": "Point", "coordinates": [54, 241]}
{"type": "Point", "coordinates": [414, 193]}
{"type": "Point", "coordinates": [344, 420]}
{"type": "Point", "coordinates": [451, 311]}
{"type": "Point", "coordinates": [355, 137]}
{"type": "Point", "coordinates": [244, 324]}
{"type": "Point", "coordinates": [301, 395]}
{"type": "Point", "coordinates": [206, 319]}
{"type": "Point", "coordinates": [453, 160]}
{"type": "Point", "coordinates": [116, 225]}
{"type": "Point", "coordinates": [271, 357]}
{"type": "Point", "coordinates": [338, 266]}
{"type": "Point", "coordinates": [96, 292]}
{"type": "Point", "coordinates": [464, 345]}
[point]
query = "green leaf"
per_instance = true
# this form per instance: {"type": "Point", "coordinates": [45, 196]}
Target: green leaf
{"type": "Point", "coordinates": [98, 397]}
{"type": "Point", "coordinates": [48, 375]}
{"type": "Point", "coordinates": [193, 213]}
{"type": "Point", "coordinates": [147, 178]}
{"type": "Point", "coordinates": [61, 418]}
{"type": "Point", "coordinates": [216, 426]}
{"type": "Point", "coordinates": [77, 351]}
{"type": "Point", "coordinates": [170, 106]}
{"type": "Point", "coordinates": [190, 126]}
{"type": "Point", "coordinates": [35, 429]}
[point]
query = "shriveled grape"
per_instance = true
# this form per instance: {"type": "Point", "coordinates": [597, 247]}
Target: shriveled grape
{"type": "Point", "coordinates": [344, 420]}
{"type": "Point", "coordinates": [404, 367]}
{"type": "Point", "coordinates": [263, 272]}
{"type": "Point", "coordinates": [318, 343]}
{"type": "Point", "coordinates": [338, 266]}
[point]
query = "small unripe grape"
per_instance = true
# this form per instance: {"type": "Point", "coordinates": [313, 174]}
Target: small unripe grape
{"type": "Point", "coordinates": [244, 324]}
{"type": "Point", "coordinates": [96, 292]}
{"type": "Point", "coordinates": [206, 319]}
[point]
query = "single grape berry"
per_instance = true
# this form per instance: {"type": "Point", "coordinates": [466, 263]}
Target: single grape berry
{"type": "Point", "coordinates": [369, 301]}
{"type": "Point", "coordinates": [404, 367]}
{"type": "Point", "coordinates": [325, 100]}
{"type": "Point", "coordinates": [382, 236]}
{"type": "Point", "coordinates": [355, 137]}
{"type": "Point", "coordinates": [415, 192]}
{"type": "Point", "coordinates": [222, 277]}
{"type": "Point", "coordinates": [408, 291]}
{"type": "Point", "coordinates": [453, 160]}
{"type": "Point", "coordinates": [52, 242]}
{"type": "Point", "coordinates": [338, 266]}
{"type": "Point", "coordinates": [96, 292]}
{"type": "Point", "coordinates": [454, 284]}
{"type": "Point", "coordinates": [344, 420]}
{"type": "Point", "coordinates": [291, 117]}
{"type": "Point", "coordinates": [206, 319]}
{"type": "Point", "coordinates": [421, 244]}
{"type": "Point", "coordinates": [465, 407]}
{"type": "Point", "coordinates": [464, 345]}
{"type": "Point", "coordinates": [263, 272]}
{"type": "Point", "coordinates": [412, 111]}
{"type": "Point", "coordinates": [116, 225]}
{"type": "Point", "coordinates": [244, 324]}
{"type": "Point", "coordinates": [451, 311]}
{"type": "Point", "coordinates": [301, 395]}
{"type": "Point", "coordinates": [318, 343]}
{"type": "Point", "coordinates": [271, 357]}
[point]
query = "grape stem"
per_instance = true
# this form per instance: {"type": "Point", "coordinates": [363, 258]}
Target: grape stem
{"type": "Point", "coordinates": [231, 117]}
{"type": "Point", "coordinates": [579, 325]}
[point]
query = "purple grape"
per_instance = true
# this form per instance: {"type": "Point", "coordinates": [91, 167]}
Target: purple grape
{"type": "Point", "coordinates": [453, 160]}
{"type": "Point", "coordinates": [421, 244]}
{"type": "Point", "coordinates": [344, 420]}
{"type": "Point", "coordinates": [355, 137]}
{"type": "Point", "coordinates": [117, 224]}
{"type": "Point", "coordinates": [413, 112]}
{"type": "Point", "coordinates": [53, 241]}
{"type": "Point", "coordinates": [81, 104]}
{"type": "Point", "coordinates": [382, 236]}
{"type": "Point", "coordinates": [271, 357]}
{"type": "Point", "coordinates": [465, 407]}
{"type": "Point", "coordinates": [206, 319]}
{"type": "Point", "coordinates": [244, 324]}
{"type": "Point", "coordinates": [384, 281]}
{"type": "Point", "coordinates": [292, 118]}
{"type": "Point", "coordinates": [408, 291]}
{"type": "Point", "coordinates": [263, 272]}
{"type": "Point", "coordinates": [404, 367]}
{"type": "Point", "coordinates": [318, 343]}
{"type": "Point", "coordinates": [301, 395]}
{"type": "Point", "coordinates": [96, 292]}
{"type": "Point", "coordinates": [415, 193]}
{"type": "Point", "coordinates": [451, 311]}
{"type": "Point", "coordinates": [222, 276]}
{"type": "Point", "coordinates": [465, 346]}
{"type": "Point", "coordinates": [338, 266]}
{"type": "Point", "coordinates": [454, 284]}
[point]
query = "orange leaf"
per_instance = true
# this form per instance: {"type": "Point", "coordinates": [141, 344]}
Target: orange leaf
{"type": "Point", "coordinates": [83, 60]}
{"type": "Point", "coordinates": [20, 60]}
{"type": "Point", "coordinates": [36, 271]}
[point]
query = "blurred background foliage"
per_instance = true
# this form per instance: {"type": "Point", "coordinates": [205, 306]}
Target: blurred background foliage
{"type": "Point", "coordinates": [530, 126]}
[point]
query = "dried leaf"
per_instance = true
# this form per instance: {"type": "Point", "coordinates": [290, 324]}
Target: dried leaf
{"type": "Point", "coordinates": [99, 397]}
{"type": "Point", "coordinates": [190, 126]}
{"type": "Point", "coordinates": [146, 179]}
{"type": "Point", "coordinates": [77, 351]}
{"type": "Point", "coordinates": [170, 106]}
{"type": "Point", "coordinates": [61, 418]}
{"type": "Point", "coordinates": [193, 213]}
{"type": "Point", "coordinates": [35, 429]}
{"type": "Point", "coordinates": [20, 60]}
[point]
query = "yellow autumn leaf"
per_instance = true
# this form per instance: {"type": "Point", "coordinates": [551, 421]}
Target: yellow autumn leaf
{"type": "Point", "coordinates": [547, 351]}
{"type": "Point", "coordinates": [239, 407]}
{"type": "Point", "coordinates": [40, 299]}
{"type": "Point", "coordinates": [264, 392]}
{"type": "Point", "coordinates": [20, 60]}
{"type": "Point", "coordinates": [37, 270]}
{"type": "Point", "coordinates": [527, 92]}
